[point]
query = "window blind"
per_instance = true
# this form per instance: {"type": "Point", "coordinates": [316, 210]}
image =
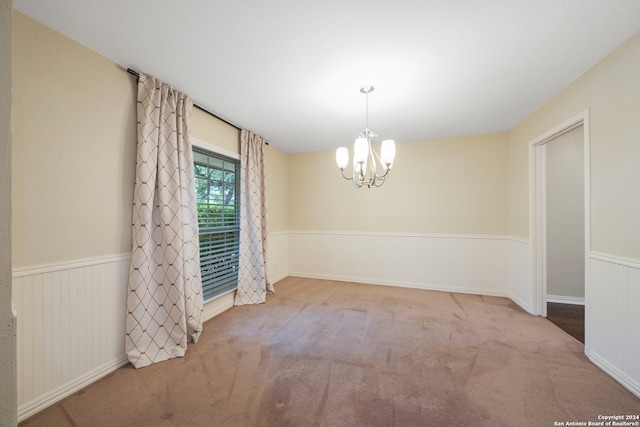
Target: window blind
{"type": "Point", "coordinates": [217, 181]}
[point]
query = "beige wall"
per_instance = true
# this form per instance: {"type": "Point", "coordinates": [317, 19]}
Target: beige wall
{"type": "Point", "coordinates": [74, 150]}
{"type": "Point", "coordinates": [611, 90]}
{"type": "Point", "coordinates": [74, 133]}
{"type": "Point", "coordinates": [277, 171]}
{"type": "Point", "coordinates": [453, 186]}
{"type": "Point", "coordinates": [209, 129]}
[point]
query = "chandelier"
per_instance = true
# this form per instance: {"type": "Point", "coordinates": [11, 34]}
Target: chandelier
{"type": "Point", "coordinates": [365, 159]}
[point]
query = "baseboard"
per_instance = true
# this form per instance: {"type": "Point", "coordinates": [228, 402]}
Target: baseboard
{"type": "Point", "coordinates": [57, 394]}
{"type": "Point", "coordinates": [276, 279]}
{"type": "Point", "coordinates": [629, 383]}
{"type": "Point", "coordinates": [565, 300]}
{"type": "Point", "coordinates": [526, 307]}
{"type": "Point", "coordinates": [412, 285]}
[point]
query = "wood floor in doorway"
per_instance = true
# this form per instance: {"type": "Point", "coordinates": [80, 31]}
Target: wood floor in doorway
{"type": "Point", "coordinates": [568, 317]}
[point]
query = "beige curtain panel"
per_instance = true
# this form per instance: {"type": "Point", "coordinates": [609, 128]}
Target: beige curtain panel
{"type": "Point", "coordinates": [253, 283]}
{"type": "Point", "coordinates": [164, 302]}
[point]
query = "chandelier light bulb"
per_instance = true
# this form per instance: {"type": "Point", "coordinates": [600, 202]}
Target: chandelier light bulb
{"type": "Point", "coordinates": [342, 157]}
{"type": "Point", "coordinates": [361, 150]}
{"type": "Point", "coordinates": [387, 152]}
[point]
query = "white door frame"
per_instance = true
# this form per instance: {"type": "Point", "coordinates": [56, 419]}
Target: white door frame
{"type": "Point", "coordinates": [537, 213]}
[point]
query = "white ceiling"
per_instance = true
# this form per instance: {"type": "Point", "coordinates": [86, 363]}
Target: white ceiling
{"type": "Point", "coordinates": [291, 70]}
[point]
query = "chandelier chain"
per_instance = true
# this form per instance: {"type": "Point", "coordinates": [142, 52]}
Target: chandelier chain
{"type": "Point", "coordinates": [366, 122]}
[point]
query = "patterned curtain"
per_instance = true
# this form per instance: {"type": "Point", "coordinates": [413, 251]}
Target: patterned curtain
{"type": "Point", "coordinates": [164, 303]}
{"type": "Point", "coordinates": [253, 284]}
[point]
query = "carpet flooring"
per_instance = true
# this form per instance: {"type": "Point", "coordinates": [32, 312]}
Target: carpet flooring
{"type": "Point", "coordinates": [329, 353]}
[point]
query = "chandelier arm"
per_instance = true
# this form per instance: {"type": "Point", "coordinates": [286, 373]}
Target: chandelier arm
{"type": "Point", "coordinates": [376, 157]}
{"type": "Point", "coordinates": [345, 176]}
{"type": "Point", "coordinates": [383, 178]}
{"type": "Point", "coordinates": [384, 167]}
{"type": "Point", "coordinates": [368, 179]}
{"type": "Point", "coordinates": [356, 182]}
{"type": "Point", "coordinates": [373, 167]}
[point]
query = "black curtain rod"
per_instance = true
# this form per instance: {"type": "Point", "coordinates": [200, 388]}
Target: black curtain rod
{"type": "Point", "coordinates": [135, 73]}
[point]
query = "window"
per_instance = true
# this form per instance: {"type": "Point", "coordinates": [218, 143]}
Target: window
{"type": "Point", "coordinates": [217, 180]}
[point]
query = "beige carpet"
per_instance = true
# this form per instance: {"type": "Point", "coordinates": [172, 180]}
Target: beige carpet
{"type": "Point", "coordinates": [324, 353]}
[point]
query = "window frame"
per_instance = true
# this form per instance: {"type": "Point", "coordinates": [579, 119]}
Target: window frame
{"type": "Point", "coordinates": [216, 150]}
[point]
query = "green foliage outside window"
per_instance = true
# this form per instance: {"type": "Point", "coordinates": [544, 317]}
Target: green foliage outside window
{"type": "Point", "coordinates": [218, 221]}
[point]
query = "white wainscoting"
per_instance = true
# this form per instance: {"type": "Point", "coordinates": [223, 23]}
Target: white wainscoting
{"type": "Point", "coordinates": [71, 322]}
{"type": "Point", "coordinates": [519, 273]}
{"type": "Point", "coordinates": [278, 256]}
{"type": "Point", "coordinates": [70, 327]}
{"type": "Point", "coordinates": [453, 263]}
{"type": "Point", "coordinates": [612, 316]}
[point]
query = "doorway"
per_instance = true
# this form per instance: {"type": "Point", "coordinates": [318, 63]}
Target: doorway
{"type": "Point", "coordinates": [560, 224]}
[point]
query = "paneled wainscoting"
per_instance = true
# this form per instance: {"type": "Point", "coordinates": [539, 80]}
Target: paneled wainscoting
{"type": "Point", "coordinates": [612, 316]}
{"type": "Point", "coordinates": [70, 327]}
{"type": "Point", "coordinates": [277, 256]}
{"type": "Point", "coordinates": [519, 273]}
{"type": "Point", "coordinates": [455, 263]}
{"type": "Point", "coordinates": [71, 322]}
